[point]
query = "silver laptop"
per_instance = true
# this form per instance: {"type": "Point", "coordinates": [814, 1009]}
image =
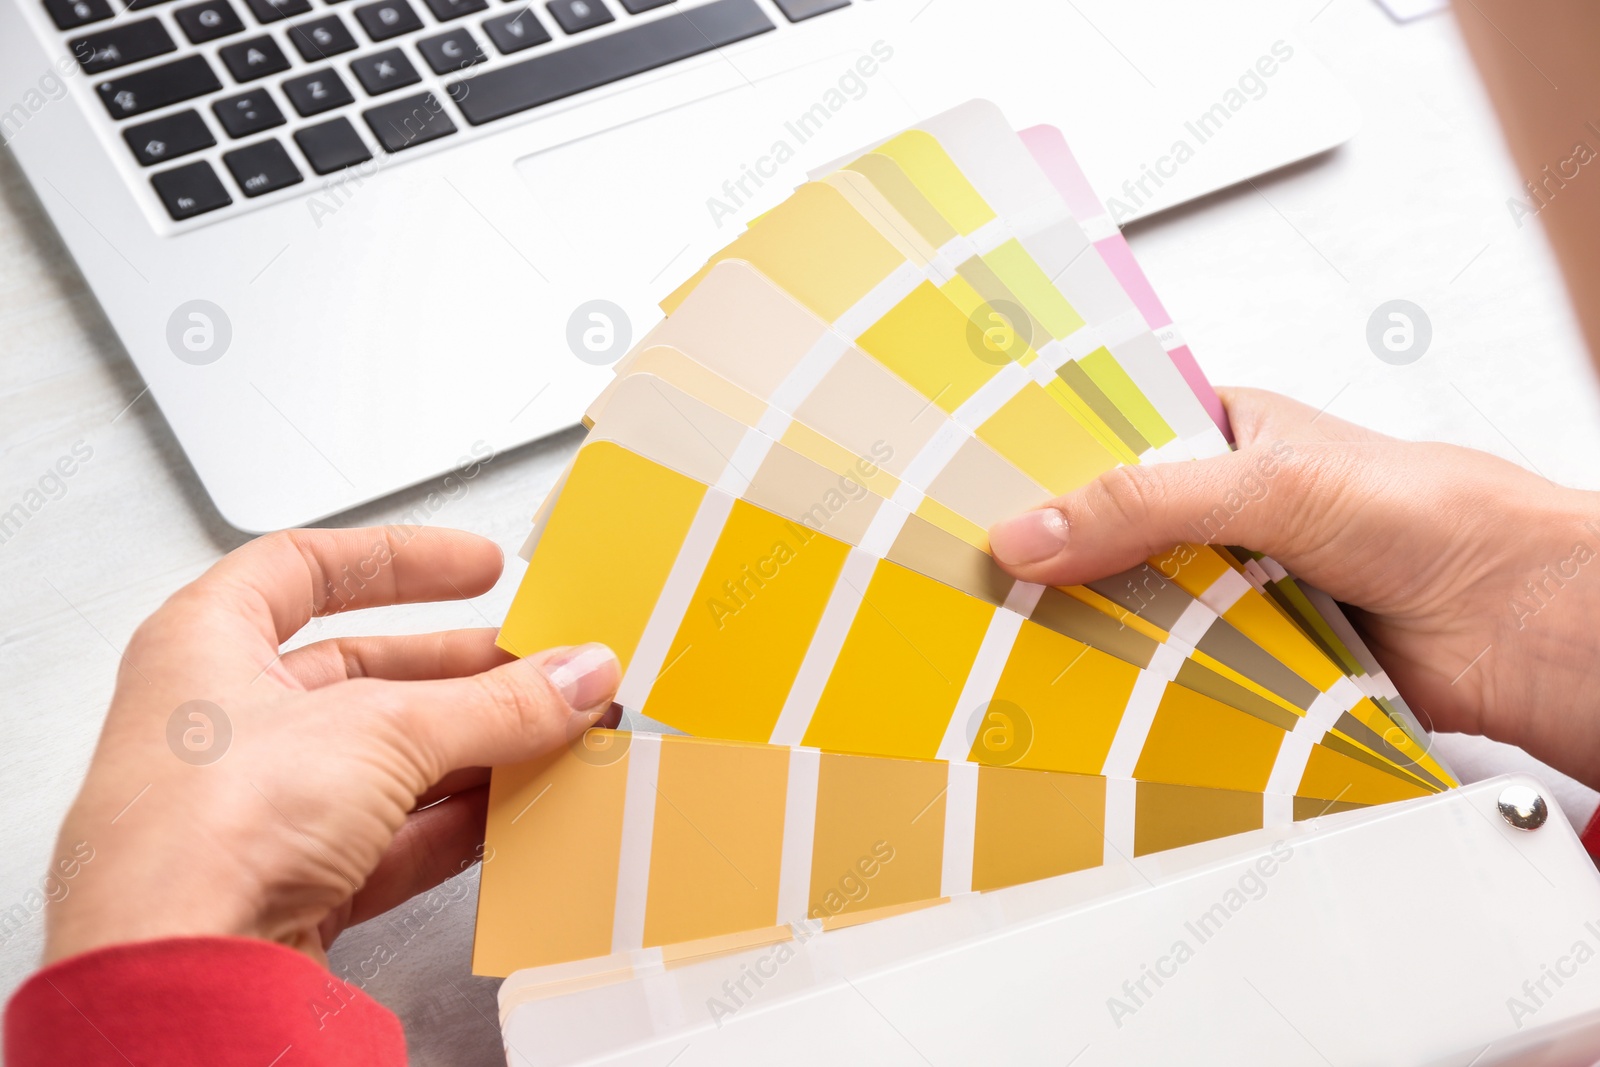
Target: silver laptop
{"type": "Point", "coordinates": [353, 245]}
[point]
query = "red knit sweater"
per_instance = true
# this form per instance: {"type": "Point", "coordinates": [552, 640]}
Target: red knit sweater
{"type": "Point", "coordinates": [197, 1002]}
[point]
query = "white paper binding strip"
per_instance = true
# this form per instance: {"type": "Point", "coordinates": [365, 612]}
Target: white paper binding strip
{"type": "Point", "coordinates": [886, 524]}
{"type": "Point", "coordinates": [940, 270]}
{"type": "Point", "coordinates": [992, 396]}
{"type": "Point", "coordinates": [673, 603]}
{"type": "Point", "coordinates": [745, 461]}
{"type": "Point", "coordinates": [1166, 662]}
{"type": "Point", "coordinates": [1126, 327]}
{"type": "Point", "coordinates": [991, 235]}
{"type": "Point", "coordinates": [1290, 766]}
{"type": "Point", "coordinates": [1192, 625]}
{"type": "Point", "coordinates": [1099, 228]}
{"type": "Point", "coordinates": [1041, 215]}
{"type": "Point", "coordinates": [880, 301]}
{"type": "Point", "coordinates": [1225, 592]}
{"type": "Point", "coordinates": [1323, 713]}
{"type": "Point", "coordinates": [824, 648]}
{"type": "Point", "coordinates": [638, 829]}
{"type": "Point", "coordinates": [1345, 693]}
{"type": "Point", "coordinates": [1277, 810]}
{"type": "Point", "coordinates": [1208, 442]}
{"type": "Point", "coordinates": [1122, 797]}
{"type": "Point", "coordinates": [958, 250]}
{"type": "Point", "coordinates": [774, 423]}
{"type": "Point", "coordinates": [1078, 344]}
{"type": "Point", "coordinates": [1134, 727]}
{"type": "Point", "coordinates": [814, 366]}
{"type": "Point", "coordinates": [1174, 451]}
{"type": "Point", "coordinates": [978, 691]}
{"type": "Point", "coordinates": [1256, 574]}
{"type": "Point", "coordinates": [960, 828]}
{"type": "Point", "coordinates": [1041, 370]}
{"type": "Point", "coordinates": [1024, 597]}
{"type": "Point", "coordinates": [799, 830]}
{"type": "Point", "coordinates": [907, 497]}
{"type": "Point", "coordinates": [927, 464]}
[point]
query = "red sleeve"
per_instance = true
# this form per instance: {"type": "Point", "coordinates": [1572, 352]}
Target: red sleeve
{"type": "Point", "coordinates": [197, 1002]}
{"type": "Point", "coordinates": [1591, 836]}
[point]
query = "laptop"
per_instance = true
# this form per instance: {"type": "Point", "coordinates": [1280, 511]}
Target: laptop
{"type": "Point", "coordinates": [352, 245]}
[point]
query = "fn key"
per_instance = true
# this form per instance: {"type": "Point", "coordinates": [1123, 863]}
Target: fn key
{"type": "Point", "coordinates": [191, 190]}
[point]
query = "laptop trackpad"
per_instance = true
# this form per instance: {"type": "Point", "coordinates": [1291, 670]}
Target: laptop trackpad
{"type": "Point", "coordinates": [672, 189]}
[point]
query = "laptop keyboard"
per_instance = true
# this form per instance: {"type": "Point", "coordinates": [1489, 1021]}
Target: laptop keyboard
{"type": "Point", "coordinates": [287, 87]}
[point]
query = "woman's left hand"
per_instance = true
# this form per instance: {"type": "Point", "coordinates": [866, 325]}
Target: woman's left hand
{"type": "Point", "coordinates": [237, 791]}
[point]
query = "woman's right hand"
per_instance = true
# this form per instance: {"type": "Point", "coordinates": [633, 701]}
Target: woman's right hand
{"type": "Point", "coordinates": [1475, 582]}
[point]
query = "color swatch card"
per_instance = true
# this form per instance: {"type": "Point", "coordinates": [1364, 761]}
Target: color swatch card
{"type": "Point", "coordinates": [778, 522]}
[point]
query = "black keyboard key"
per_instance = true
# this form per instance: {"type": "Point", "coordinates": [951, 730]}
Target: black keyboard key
{"type": "Point", "coordinates": [388, 18]}
{"type": "Point", "coordinates": [800, 10]}
{"type": "Point", "coordinates": [208, 21]}
{"type": "Point", "coordinates": [248, 113]}
{"type": "Point", "coordinates": [639, 7]}
{"type": "Point", "coordinates": [516, 31]}
{"type": "Point", "coordinates": [70, 14]}
{"type": "Point", "coordinates": [170, 83]}
{"type": "Point", "coordinates": [321, 38]}
{"type": "Point", "coordinates": [319, 91]}
{"type": "Point", "coordinates": [450, 52]}
{"type": "Point", "coordinates": [497, 93]}
{"type": "Point", "coordinates": [252, 59]}
{"type": "Point", "coordinates": [332, 146]}
{"type": "Point", "coordinates": [278, 10]}
{"type": "Point", "coordinates": [117, 46]}
{"type": "Point", "coordinates": [409, 122]}
{"type": "Point", "coordinates": [383, 71]}
{"type": "Point", "coordinates": [262, 168]}
{"type": "Point", "coordinates": [168, 138]}
{"type": "Point", "coordinates": [445, 10]}
{"type": "Point", "coordinates": [191, 190]}
{"type": "Point", "coordinates": [575, 16]}
{"type": "Point", "coordinates": [140, 5]}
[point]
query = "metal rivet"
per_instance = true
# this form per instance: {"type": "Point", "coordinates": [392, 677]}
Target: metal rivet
{"type": "Point", "coordinates": [1522, 807]}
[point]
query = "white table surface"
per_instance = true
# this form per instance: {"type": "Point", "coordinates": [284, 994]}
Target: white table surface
{"type": "Point", "coordinates": [1272, 286]}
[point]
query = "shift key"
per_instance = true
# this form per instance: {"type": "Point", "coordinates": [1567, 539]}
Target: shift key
{"type": "Point", "coordinates": [156, 87]}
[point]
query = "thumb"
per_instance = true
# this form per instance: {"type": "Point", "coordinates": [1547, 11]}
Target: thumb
{"type": "Point", "coordinates": [517, 711]}
{"type": "Point", "coordinates": [1131, 514]}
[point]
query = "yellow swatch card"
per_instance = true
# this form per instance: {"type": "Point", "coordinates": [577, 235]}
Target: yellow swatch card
{"type": "Point", "coordinates": [629, 842]}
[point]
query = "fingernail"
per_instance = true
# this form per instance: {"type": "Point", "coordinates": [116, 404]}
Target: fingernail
{"type": "Point", "coordinates": [587, 675]}
{"type": "Point", "coordinates": [1031, 537]}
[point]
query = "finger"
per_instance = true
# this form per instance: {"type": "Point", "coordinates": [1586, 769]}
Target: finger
{"type": "Point", "coordinates": [1258, 416]}
{"type": "Point", "coordinates": [516, 712]}
{"type": "Point", "coordinates": [284, 579]}
{"type": "Point", "coordinates": [431, 846]}
{"type": "Point", "coordinates": [450, 654]}
{"type": "Point", "coordinates": [454, 782]}
{"type": "Point", "coordinates": [1132, 514]}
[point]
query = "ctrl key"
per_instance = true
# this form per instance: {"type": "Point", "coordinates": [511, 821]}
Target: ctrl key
{"type": "Point", "coordinates": [190, 190]}
{"type": "Point", "coordinates": [262, 168]}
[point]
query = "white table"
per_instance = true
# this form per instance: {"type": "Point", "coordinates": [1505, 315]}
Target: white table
{"type": "Point", "coordinates": [1272, 286]}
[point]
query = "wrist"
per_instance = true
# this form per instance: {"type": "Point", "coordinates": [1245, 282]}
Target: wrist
{"type": "Point", "coordinates": [144, 883]}
{"type": "Point", "coordinates": [1538, 691]}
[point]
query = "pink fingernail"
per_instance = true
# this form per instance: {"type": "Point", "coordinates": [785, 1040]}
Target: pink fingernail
{"type": "Point", "coordinates": [587, 675]}
{"type": "Point", "coordinates": [1031, 537]}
